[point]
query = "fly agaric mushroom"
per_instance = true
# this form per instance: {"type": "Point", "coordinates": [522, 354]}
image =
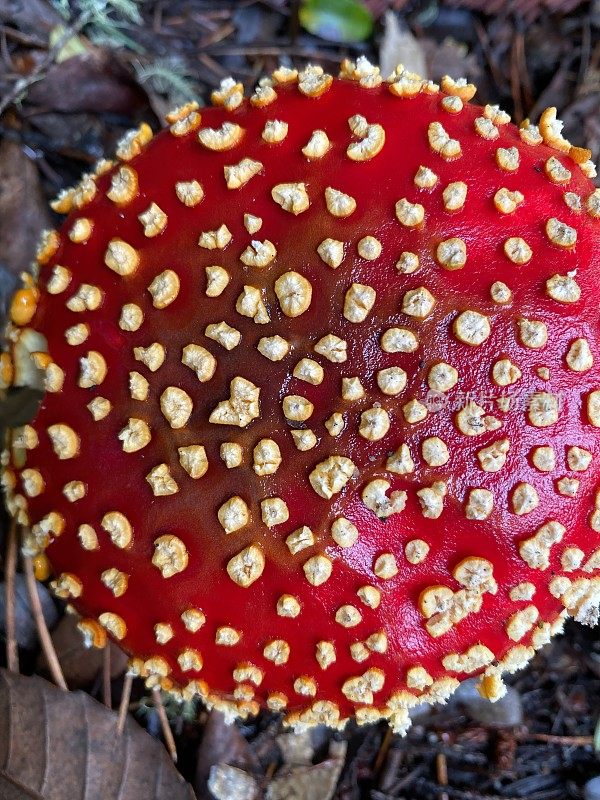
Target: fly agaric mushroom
{"type": "Point", "coordinates": [323, 396]}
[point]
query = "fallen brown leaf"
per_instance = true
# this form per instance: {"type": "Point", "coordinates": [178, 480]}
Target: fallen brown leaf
{"type": "Point", "coordinates": [25, 629]}
{"type": "Point", "coordinates": [56, 745]}
{"type": "Point", "coordinates": [23, 209]}
{"type": "Point", "coordinates": [95, 82]}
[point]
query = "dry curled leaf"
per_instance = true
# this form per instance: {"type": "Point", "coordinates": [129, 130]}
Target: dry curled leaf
{"type": "Point", "coordinates": [399, 46]}
{"type": "Point", "coordinates": [230, 783]}
{"type": "Point", "coordinates": [296, 748]}
{"type": "Point", "coordinates": [222, 743]}
{"type": "Point", "coordinates": [56, 745]}
{"type": "Point", "coordinates": [308, 782]}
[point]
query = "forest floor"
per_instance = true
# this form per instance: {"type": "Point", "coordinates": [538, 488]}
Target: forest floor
{"type": "Point", "coordinates": [71, 84]}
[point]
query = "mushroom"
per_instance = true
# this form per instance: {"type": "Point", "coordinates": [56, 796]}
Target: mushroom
{"type": "Point", "coordinates": [322, 411]}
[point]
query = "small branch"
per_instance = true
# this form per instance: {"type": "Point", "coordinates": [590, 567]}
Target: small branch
{"type": "Point", "coordinates": [294, 23]}
{"type": "Point", "coordinates": [12, 652]}
{"type": "Point", "coordinates": [276, 51]}
{"type": "Point", "coordinates": [212, 65]}
{"type": "Point", "coordinates": [271, 769]}
{"type": "Point", "coordinates": [383, 750]}
{"type": "Point", "coordinates": [565, 741]}
{"type": "Point", "coordinates": [216, 36]}
{"type": "Point", "coordinates": [106, 688]}
{"type": "Point", "coordinates": [515, 77]}
{"type": "Point", "coordinates": [22, 38]}
{"type": "Point", "coordinates": [42, 628]}
{"type": "Point", "coordinates": [124, 704]}
{"type": "Point", "coordinates": [484, 42]}
{"type": "Point", "coordinates": [441, 768]}
{"type": "Point", "coordinates": [586, 46]}
{"type": "Point", "coordinates": [164, 724]}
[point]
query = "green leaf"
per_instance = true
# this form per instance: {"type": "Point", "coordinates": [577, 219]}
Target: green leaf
{"type": "Point", "coordinates": [73, 46]}
{"type": "Point", "coordinates": [337, 20]}
{"type": "Point", "coordinates": [597, 737]}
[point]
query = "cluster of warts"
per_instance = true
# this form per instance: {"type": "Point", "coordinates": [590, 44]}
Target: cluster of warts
{"type": "Point", "coordinates": [441, 607]}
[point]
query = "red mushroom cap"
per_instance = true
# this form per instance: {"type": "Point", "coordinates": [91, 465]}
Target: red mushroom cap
{"type": "Point", "coordinates": [323, 396]}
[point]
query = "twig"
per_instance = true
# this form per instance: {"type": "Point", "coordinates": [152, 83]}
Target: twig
{"type": "Point", "coordinates": [408, 779]}
{"type": "Point", "coordinates": [383, 750]}
{"type": "Point", "coordinates": [566, 741]}
{"type": "Point", "coordinates": [4, 52]}
{"type": "Point", "coordinates": [106, 692]}
{"type": "Point", "coordinates": [12, 652]}
{"type": "Point", "coordinates": [515, 80]}
{"type": "Point", "coordinates": [124, 704]}
{"type": "Point", "coordinates": [157, 18]}
{"type": "Point", "coordinates": [275, 51]}
{"type": "Point", "coordinates": [504, 750]}
{"type": "Point", "coordinates": [544, 98]}
{"type": "Point", "coordinates": [212, 65]}
{"type": "Point", "coordinates": [271, 768]}
{"type": "Point", "coordinates": [459, 794]}
{"type": "Point", "coordinates": [22, 38]}
{"type": "Point", "coordinates": [216, 36]}
{"type": "Point", "coordinates": [586, 46]}
{"type": "Point", "coordinates": [294, 24]}
{"type": "Point", "coordinates": [164, 723]}
{"type": "Point", "coordinates": [42, 629]}
{"type": "Point", "coordinates": [526, 86]}
{"type": "Point", "coordinates": [441, 769]}
{"type": "Point", "coordinates": [485, 46]}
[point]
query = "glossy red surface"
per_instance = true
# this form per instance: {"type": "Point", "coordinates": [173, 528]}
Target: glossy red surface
{"type": "Point", "coordinates": [116, 480]}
